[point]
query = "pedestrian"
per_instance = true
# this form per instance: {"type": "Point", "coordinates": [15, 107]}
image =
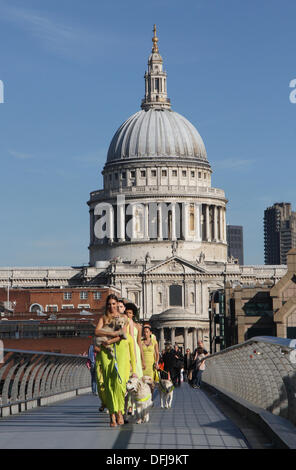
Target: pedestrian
{"type": "Point", "coordinates": [168, 359]}
{"type": "Point", "coordinates": [135, 329]}
{"type": "Point", "coordinates": [151, 354]}
{"type": "Point", "coordinates": [177, 366]}
{"type": "Point", "coordinates": [114, 369]}
{"type": "Point", "coordinates": [91, 364]}
{"type": "Point", "coordinates": [200, 344]}
{"type": "Point", "coordinates": [188, 366]}
{"type": "Point", "coordinates": [200, 366]}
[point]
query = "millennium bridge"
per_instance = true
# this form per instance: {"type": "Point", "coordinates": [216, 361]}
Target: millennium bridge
{"type": "Point", "coordinates": [247, 400]}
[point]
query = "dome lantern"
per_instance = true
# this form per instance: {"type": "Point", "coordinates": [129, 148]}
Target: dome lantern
{"type": "Point", "coordinates": [155, 80]}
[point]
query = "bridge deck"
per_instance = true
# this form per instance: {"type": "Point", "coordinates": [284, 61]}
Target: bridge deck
{"type": "Point", "coordinates": [193, 422]}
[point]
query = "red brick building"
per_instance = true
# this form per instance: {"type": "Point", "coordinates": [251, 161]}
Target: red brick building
{"type": "Point", "coordinates": [51, 319]}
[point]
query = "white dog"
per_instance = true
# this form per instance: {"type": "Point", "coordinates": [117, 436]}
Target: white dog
{"type": "Point", "coordinates": [166, 391]}
{"type": "Point", "coordinates": [116, 325]}
{"type": "Point", "coordinates": [141, 397]}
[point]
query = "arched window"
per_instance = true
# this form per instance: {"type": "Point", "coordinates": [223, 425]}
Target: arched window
{"type": "Point", "coordinates": [36, 308]}
{"type": "Point", "coordinates": [176, 295]}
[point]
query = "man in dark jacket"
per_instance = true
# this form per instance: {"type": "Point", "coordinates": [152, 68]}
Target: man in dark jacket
{"type": "Point", "coordinates": [188, 366]}
{"type": "Point", "coordinates": [168, 362]}
{"type": "Point", "coordinates": [177, 366]}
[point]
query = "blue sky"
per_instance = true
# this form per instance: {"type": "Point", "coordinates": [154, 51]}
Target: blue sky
{"type": "Point", "coordinates": [73, 72]}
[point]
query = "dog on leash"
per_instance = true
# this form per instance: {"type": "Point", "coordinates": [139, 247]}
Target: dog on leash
{"type": "Point", "coordinates": [166, 391]}
{"type": "Point", "coordinates": [141, 397]}
{"type": "Point", "coordinates": [116, 325]}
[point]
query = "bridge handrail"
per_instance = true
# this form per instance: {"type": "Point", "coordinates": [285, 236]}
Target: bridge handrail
{"type": "Point", "coordinates": [34, 376]}
{"type": "Point", "coordinates": [263, 374]}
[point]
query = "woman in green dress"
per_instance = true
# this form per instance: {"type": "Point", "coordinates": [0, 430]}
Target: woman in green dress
{"type": "Point", "coordinates": [113, 369]}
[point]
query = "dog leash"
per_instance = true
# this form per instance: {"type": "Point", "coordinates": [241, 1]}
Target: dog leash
{"type": "Point", "coordinates": [116, 364]}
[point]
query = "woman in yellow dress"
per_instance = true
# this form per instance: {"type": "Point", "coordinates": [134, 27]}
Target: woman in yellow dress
{"type": "Point", "coordinates": [135, 327]}
{"type": "Point", "coordinates": [150, 353]}
{"type": "Point", "coordinates": [115, 370]}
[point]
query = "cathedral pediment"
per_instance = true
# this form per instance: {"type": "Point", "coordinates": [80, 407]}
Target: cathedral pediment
{"type": "Point", "coordinates": [175, 265]}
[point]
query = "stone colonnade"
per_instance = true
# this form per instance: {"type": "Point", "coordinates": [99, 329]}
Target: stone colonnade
{"type": "Point", "coordinates": [159, 221]}
{"type": "Point", "coordinates": [188, 341]}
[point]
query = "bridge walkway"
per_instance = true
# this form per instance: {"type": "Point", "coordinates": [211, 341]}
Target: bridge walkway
{"type": "Point", "coordinates": [193, 422]}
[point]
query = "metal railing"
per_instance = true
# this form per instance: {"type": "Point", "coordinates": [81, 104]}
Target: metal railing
{"type": "Point", "coordinates": [30, 376]}
{"type": "Point", "coordinates": [261, 371]}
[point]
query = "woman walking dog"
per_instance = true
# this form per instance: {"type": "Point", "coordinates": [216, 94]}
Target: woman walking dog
{"type": "Point", "coordinates": [114, 369]}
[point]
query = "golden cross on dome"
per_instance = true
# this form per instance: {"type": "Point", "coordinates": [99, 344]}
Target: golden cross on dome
{"type": "Point", "coordinates": [154, 40]}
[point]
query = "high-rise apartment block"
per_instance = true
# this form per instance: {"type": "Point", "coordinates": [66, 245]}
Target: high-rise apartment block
{"type": "Point", "coordinates": [279, 232]}
{"type": "Point", "coordinates": [235, 243]}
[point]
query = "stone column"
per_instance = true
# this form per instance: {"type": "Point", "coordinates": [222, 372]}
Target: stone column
{"type": "Point", "coordinates": [215, 217]}
{"type": "Point", "coordinates": [120, 221]}
{"type": "Point", "coordinates": [146, 221]}
{"type": "Point", "coordinates": [159, 222]}
{"type": "Point", "coordinates": [224, 225]}
{"type": "Point", "coordinates": [197, 210]}
{"type": "Point", "coordinates": [185, 339]}
{"type": "Point", "coordinates": [161, 343]}
{"type": "Point", "coordinates": [174, 221]}
{"type": "Point", "coordinates": [194, 339]}
{"type": "Point", "coordinates": [221, 238]}
{"type": "Point", "coordinates": [111, 224]}
{"type": "Point", "coordinates": [173, 330]}
{"type": "Point", "coordinates": [185, 220]}
{"type": "Point", "coordinates": [207, 221]}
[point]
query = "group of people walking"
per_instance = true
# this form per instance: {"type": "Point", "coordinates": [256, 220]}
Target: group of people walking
{"type": "Point", "coordinates": [135, 356]}
{"type": "Point", "coordinates": [188, 367]}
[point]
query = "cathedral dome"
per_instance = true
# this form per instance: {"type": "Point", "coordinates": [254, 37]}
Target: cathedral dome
{"type": "Point", "coordinates": [156, 132]}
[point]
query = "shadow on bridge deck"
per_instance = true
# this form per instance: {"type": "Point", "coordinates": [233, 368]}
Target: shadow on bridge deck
{"type": "Point", "coordinates": [194, 422]}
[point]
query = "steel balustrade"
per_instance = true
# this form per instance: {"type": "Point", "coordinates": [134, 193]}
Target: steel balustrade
{"type": "Point", "coordinates": [261, 370]}
{"type": "Point", "coordinates": [27, 376]}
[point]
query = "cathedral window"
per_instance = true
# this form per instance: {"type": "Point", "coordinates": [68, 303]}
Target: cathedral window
{"type": "Point", "coordinates": [153, 173]}
{"type": "Point", "coordinates": [157, 84]}
{"type": "Point", "coordinates": [192, 174]}
{"type": "Point", "coordinates": [199, 174]}
{"type": "Point", "coordinates": [164, 173]}
{"type": "Point", "coordinates": [133, 174]}
{"type": "Point", "coordinates": [143, 173]}
{"type": "Point", "coordinates": [184, 173]}
{"type": "Point", "coordinates": [175, 295]}
{"type": "Point", "coordinates": [159, 298]}
{"type": "Point", "coordinates": [123, 175]}
{"type": "Point", "coordinates": [174, 173]}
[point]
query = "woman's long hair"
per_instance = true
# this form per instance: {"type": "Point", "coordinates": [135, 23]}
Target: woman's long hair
{"type": "Point", "coordinates": [107, 315]}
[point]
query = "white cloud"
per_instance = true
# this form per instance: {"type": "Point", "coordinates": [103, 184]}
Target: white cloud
{"type": "Point", "coordinates": [233, 164]}
{"type": "Point", "coordinates": [68, 40]}
{"type": "Point", "coordinates": [20, 155]}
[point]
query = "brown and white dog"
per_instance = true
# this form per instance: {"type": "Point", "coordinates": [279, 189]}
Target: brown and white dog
{"type": "Point", "coordinates": [141, 397]}
{"type": "Point", "coordinates": [166, 391]}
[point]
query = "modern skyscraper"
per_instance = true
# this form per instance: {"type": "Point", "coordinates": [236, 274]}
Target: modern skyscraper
{"type": "Point", "coordinates": [235, 242]}
{"type": "Point", "coordinates": [279, 232]}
